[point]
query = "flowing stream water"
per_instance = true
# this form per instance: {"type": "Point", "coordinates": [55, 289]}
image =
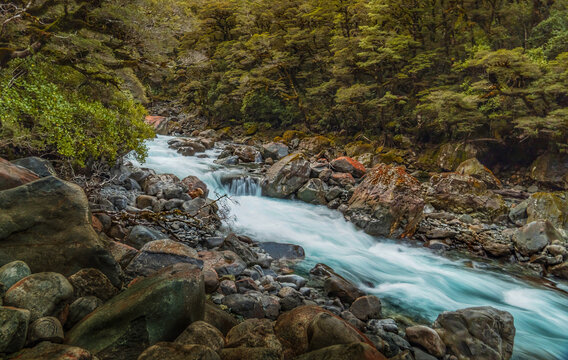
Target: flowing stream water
{"type": "Point", "coordinates": [412, 279]}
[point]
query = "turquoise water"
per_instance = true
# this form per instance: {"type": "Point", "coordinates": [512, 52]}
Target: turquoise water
{"type": "Point", "coordinates": [411, 278]}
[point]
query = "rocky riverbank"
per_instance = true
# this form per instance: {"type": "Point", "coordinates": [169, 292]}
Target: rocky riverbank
{"type": "Point", "coordinates": [137, 268]}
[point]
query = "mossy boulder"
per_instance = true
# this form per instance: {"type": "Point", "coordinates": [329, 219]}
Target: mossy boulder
{"type": "Point", "coordinates": [474, 168]}
{"type": "Point", "coordinates": [551, 169]}
{"type": "Point", "coordinates": [290, 135]}
{"type": "Point", "coordinates": [552, 207]}
{"type": "Point", "coordinates": [157, 308]}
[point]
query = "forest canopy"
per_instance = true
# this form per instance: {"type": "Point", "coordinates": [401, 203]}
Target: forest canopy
{"type": "Point", "coordinates": [429, 70]}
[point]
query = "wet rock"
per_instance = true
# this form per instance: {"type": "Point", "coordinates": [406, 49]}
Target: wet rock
{"type": "Point", "coordinates": [50, 219]}
{"type": "Point", "coordinates": [195, 187]}
{"type": "Point", "coordinates": [283, 251]}
{"type": "Point", "coordinates": [45, 329]}
{"type": "Point", "coordinates": [387, 203]}
{"type": "Point", "coordinates": [159, 254]}
{"type": "Point", "coordinates": [13, 329]}
{"type": "Point", "coordinates": [344, 351]}
{"type": "Point", "coordinates": [92, 282]}
{"type": "Point", "coordinates": [388, 325]}
{"type": "Point", "coordinates": [174, 351]}
{"type": "Point", "coordinates": [455, 192]}
{"type": "Point", "coordinates": [290, 298]}
{"type": "Point", "coordinates": [12, 176]}
{"type": "Point", "coordinates": [254, 333]}
{"type": "Point", "coordinates": [352, 320]}
{"type": "Point", "coordinates": [80, 308]}
{"type": "Point", "coordinates": [231, 160]}
{"type": "Point", "coordinates": [336, 285]}
{"type": "Point", "coordinates": [427, 338]}
{"type": "Point", "coordinates": [480, 333]}
{"type": "Point", "coordinates": [244, 305]}
{"type": "Point", "coordinates": [326, 330]}
{"type": "Point", "coordinates": [50, 351]}
{"type": "Point", "coordinates": [223, 262]}
{"type": "Point", "coordinates": [348, 165]}
{"type": "Point", "coordinates": [153, 309]}
{"type": "Point", "coordinates": [313, 192]}
{"type": "Point", "coordinates": [248, 154]}
{"type": "Point", "coordinates": [297, 280]}
{"type": "Point", "coordinates": [202, 333]}
{"type": "Point", "coordinates": [13, 272]}
{"type": "Point", "coordinates": [535, 236]}
{"type": "Point", "coordinates": [38, 166]}
{"type": "Point", "coordinates": [42, 294]}
{"type": "Point", "coordinates": [474, 168]}
{"type": "Point", "coordinates": [275, 151]}
{"type": "Point", "coordinates": [220, 319]}
{"type": "Point", "coordinates": [122, 253]}
{"type": "Point", "coordinates": [551, 169]}
{"type": "Point", "coordinates": [286, 176]}
{"type": "Point", "coordinates": [366, 307]}
{"type": "Point", "coordinates": [234, 244]}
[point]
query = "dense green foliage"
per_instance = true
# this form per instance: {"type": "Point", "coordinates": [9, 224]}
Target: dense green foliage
{"type": "Point", "coordinates": [74, 74]}
{"type": "Point", "coordinates": [431, 70]}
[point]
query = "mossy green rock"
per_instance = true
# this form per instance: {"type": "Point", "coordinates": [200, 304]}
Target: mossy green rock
{"type": "Point", "coordinates": [154, 309]}
{"type": "Point", "coordinates": [47, 224]}
{"type": "Point", "coordinates": [549, 206]}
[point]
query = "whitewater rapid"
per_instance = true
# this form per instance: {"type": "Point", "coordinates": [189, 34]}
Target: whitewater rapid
{"type": "Point", "coordinates": [413, 280]}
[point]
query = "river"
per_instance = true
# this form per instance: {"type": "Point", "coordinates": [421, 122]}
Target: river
{"type": "Point", "coordinates": [414, 280]}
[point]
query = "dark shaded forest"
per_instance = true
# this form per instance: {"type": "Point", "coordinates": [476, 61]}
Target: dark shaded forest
{"type": "Point", "coordinates": [76, 75]}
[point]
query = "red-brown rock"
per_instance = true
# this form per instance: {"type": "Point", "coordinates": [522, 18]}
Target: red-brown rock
{"type": "Point", "coordinates": [387, 202]}
{"type": "Point", "coordinates": [346, 164]}
{"type": "Point", "coordinates": [12, 175]}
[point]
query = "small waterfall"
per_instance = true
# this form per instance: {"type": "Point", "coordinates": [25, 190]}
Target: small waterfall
{"type": "Point", "coordinates": [242, 186]}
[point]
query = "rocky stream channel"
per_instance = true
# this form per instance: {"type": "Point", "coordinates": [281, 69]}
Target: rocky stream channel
{"type": "Point", "coordinates": [214, 250]}
{"type": "Point", "coordinates": [413, 280]}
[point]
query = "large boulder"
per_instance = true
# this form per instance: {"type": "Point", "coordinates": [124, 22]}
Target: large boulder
{"type": "Point", "coordinates": [92, 282]}
{"type": "Point", "coordinates": [283, 251]}
{"type": "Point", "coordinates": [163, 186]}
{"type": "Point", "coordinates": [47, 224]}
{"type": "Point", "coordinates": [13, 328]}
{"type": "Point", "coordinates": [139, 235]}
{"type": "Point", "coordinates": [474, 168]}
{"type": "Point", "coordinates": [463, 193]}
{"type": "Point", "coordinates": [248, 154]}
{"type": "Point", "coordinates": [552, 207]}
{"type": "Point", "coordinates": [311, 327]}
{"type": "Point", "coordinates": [346, 164]}
{"type": "Point", "coordinates": [254, 333]}
{"type": "Point", "coordinates": [335, 285]}
{"type": "Point", "coordinates": [50, 351]}
{"type": "Point", "coordinates": [286, 176]}
{"type": "Point", "coordinates": [13, 272]}
{"type": "Point", "coordinates": [535, 236]}
{"type": "Point", "coordinates": [174, 351]}
{"type": "Point", "coordinates": [43, 294]}
{"type": "Point", "coordinates": [39, 166]}
{"type": "Point", "coordinates": [159, 254]}
{"type": "Point", "coordinates": [387, 202]}
{"type": "Point", "coordinates": [12, 175]}
{"type": "Point", "coordinates": [202, 333]}
{"type": "Point", "coordinates": [195, 187]}
{"type": "Point", "coordinates": [366, 307]}
{"type": "Point", "coordinates": [451, 155]}
{"type": "Point", "coordinates": [313, 192]}
{"type": "Point", "coordinates": [551, 170]}
{"type": "Point", "coordinates": [481, 333]}
{"type": "Point", "coordinates": [427, 338]}
{"type": "Point", "coordinates": [157, 308]}
{"type": "Point", "coordinates": [357, 350]}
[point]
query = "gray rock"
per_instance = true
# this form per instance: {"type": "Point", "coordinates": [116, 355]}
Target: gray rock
{"type": "Point", "coordinates": [244, 305]}
{"type": "Point", "coordinates": [13, 272]}
{"type": "Point", "coordinates": [286, 176]}
{"type": "Point", "coordinates": [13, 329]}
{"type": "Point", "coordinates": [202, 333]}
{"type": "Point", "coordinates": [297, 280]}
{"type": "Point", "coordinates": [275, 151]}
{"type": "Point", "coordinates": [366, 307]}
{"type": "Point", "coordinates": [80, 308]}
{"type": "Point", "coordinates": [283, 251]}
{"type": "Point", "coordinates": [535, 236]}
{"type": "Point", "coordinates": [41, 167]}
{"type": "Point", "coordinates": [140, 235]}
{"type": "Point", "coordinates": [313, 192]}
{"type": "Point", "coordinates": [159, 254]}
{"type": "Point", "coordinates": [40, 293]}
